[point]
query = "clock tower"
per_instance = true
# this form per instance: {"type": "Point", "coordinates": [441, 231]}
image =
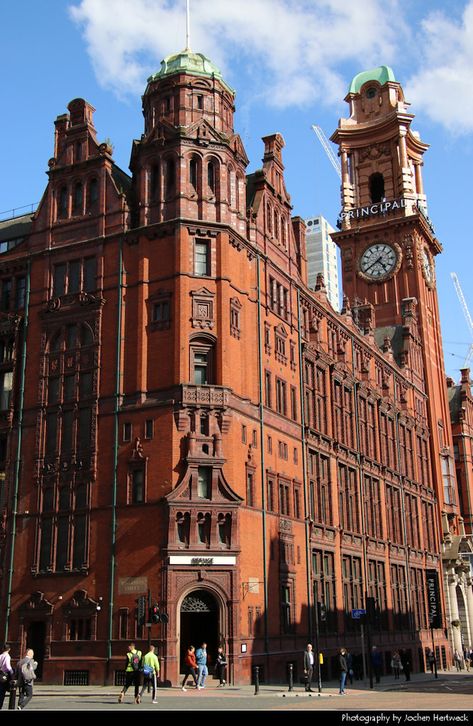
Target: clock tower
{"type": "Point", "coordinates": [388, 247]}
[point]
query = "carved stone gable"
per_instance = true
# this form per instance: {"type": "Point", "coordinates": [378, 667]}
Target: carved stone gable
{"type": "Point", "coordinates": [37, 603]}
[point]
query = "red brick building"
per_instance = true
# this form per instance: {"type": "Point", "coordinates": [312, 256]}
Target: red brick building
{"type": "Point", "coordinates": [181, 415]}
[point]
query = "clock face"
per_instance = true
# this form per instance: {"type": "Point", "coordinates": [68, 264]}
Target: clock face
{"type": "Point", "coordinates": [378, 261]}
{"type": "Point", "coordinates": [427, 267]}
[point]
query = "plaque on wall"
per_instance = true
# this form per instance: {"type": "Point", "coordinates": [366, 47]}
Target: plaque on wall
{"type": "Point", "coordinates": [132, 585]}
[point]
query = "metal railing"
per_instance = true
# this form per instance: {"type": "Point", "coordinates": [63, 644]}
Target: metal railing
{"type": "Point", "coordinates": [18, 211]}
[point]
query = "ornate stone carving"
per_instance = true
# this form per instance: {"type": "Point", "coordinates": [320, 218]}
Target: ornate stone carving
{"type": "Point", "coordinates": [202, 308]}
{"type": "Point", "coordinates": [200, 602]}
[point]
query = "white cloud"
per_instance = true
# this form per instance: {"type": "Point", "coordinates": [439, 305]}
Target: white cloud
{"type": "Point", "coordinates": [293, 48]}
{"type": "Point", "coordinates": [443, 85]}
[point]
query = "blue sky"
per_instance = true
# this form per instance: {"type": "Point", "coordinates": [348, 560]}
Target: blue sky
{"type": "Point", "coordinates": [290, 61]}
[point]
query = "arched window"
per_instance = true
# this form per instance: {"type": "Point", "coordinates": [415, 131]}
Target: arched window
{"type": "Point", "coordinates": [56, 342]}
{"type": "Point", "coordinates": [203, 528]}
{"type": "Point", "coordinates": [376, 184]}
{"type": "Point", "coordinates": [193, 173]}
{"type": "Point", "coordinates": [225, 529]}
{"type": "Point", "coordinates": [62, 202]}
{"type": "Point", "coordinates": [202, 363]}
{"type": "Point", "coordinates": [78, 199]}
{"type": "Point", "coordinates": [276, 224]}
{"type": "Point", "coordinates": [211, 175]}
{"type": "Point", "coordinates": [170, 182]}
{"type": "Point", "coordinates": [269, 218]}
{"type": "Point", "coordinates": [231, 187]}
{"type": "Point", "coordinates": [86, 335]}
{"type": "Point", "coordinates": [71, 336]}
{"type": "Point", "coordinates": [183, 527]}
{"type": "Point", "coordinates": [93, 194]}
{"type": "Point", "coordinates": [154, 183]}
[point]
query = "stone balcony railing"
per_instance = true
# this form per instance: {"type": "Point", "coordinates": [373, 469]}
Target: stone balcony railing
{"type": "Point", "coordinates": [205, 396]}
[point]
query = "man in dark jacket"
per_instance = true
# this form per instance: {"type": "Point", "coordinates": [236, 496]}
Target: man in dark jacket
{"type": "Point", "coordinates": [25, 674]}
{"type": "Point", "coordinates": [376, 662]}
{"type": "Point", "coordinates": [308, 666]}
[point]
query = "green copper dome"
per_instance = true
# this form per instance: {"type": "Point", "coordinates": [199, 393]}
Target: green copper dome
{"type": "Point", "coordinates": [196, 64]}
{"type": "Point", "coordinates": [382, 74]}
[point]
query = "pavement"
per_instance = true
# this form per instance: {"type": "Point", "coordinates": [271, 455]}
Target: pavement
{"type": "Point", "coordinates": [451, 692]}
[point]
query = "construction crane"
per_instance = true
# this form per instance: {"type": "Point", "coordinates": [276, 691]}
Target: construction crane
{"type": "Point", "coordinates": [466, 313]}
{"type": "Point", "coordinates": [334, 160]}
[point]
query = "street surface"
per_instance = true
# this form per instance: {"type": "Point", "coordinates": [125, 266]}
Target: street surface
{"type": "Point", "coordinates": [452, 693]}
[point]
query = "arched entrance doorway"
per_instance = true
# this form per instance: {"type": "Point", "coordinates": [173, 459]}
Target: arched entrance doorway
{"type": "Point", "coordinates": [199, 624]}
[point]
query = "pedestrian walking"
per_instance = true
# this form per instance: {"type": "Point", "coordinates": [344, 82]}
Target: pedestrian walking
{"type": "Point", "coordinates": [309, 661]}
{"type": "Point", "coordinates": [6, 672]}
{"type": "Point", "coordinates": [396, 665]}
{"type": "Point", "coordinates": [466, 659]}
{"type": "Point", "coordinates": [25, 676]}
{"type": "Point", "coordinates": [376, 662]}
{"type": "Point", "coordinates": [343, 666]}
{"type": "Point", "coordinates": [457, 659]}
{"type": "Point", "coordinates": [191, 667]}
{"type": "Point", "coordinates": [431, 659]}
{"type": "Point", "coordinates": [406, 664]}
{"type": "Point", "coordinates": [202, 670]}
{"type": "Point", "coordinates": [150, 672]}
{"type": "Point", "coordinates": [132, 673]}
{"type": "Point", "coordinates": [220, 666]}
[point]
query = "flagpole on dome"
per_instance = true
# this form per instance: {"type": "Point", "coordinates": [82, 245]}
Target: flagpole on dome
{"type": "Point", "coordinates": [188, 25]}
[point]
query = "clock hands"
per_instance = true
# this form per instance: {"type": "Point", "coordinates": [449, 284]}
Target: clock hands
{"type": "Point", "coordinates": [374, 263]}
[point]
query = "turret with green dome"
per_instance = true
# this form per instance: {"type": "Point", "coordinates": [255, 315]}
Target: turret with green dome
{"type": "Point", "coordinates": [381, 74]}
{"type": "Point", "coordinates": [196, 64]}
{"type": "Point", "coordinates": [189, 162]}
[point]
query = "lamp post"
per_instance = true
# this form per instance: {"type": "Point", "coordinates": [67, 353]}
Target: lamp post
{"type": "Point", "coordinates": [318, 612]}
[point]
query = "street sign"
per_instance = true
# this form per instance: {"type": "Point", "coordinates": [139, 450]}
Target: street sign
{"type": "Point", "coordinates": [357, 614]}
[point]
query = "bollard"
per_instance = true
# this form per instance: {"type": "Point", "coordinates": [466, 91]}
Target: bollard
{"type": "Point", "coordinates": [291, 676]}
{"type": "Point", "coordinates": [256, 680]}
{"type": "Point", "coordinates": [12, 699]}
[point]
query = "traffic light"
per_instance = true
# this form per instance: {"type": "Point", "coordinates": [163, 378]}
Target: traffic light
{"type": "Point", "coordinates": [372, 610]}
{"type": "Point", "coordinates": [322, 612]}
{"type": "Point", "coordinates": [141, 610]}
{"type": "Point", "coordinates": [154, 616]}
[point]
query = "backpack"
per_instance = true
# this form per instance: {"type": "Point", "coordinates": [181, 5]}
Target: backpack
{"type": "Point", "coordinates": [148, 670]}
{"type": "Point", "coordinates": [135, 660]}
{"type": "Point", "coordinates": [27, 672]}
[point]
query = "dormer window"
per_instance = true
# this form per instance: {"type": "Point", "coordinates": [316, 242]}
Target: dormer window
{"type": "Point", "coordinates": [371, 92]}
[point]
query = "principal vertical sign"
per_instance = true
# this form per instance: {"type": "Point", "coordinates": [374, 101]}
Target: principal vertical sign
{"type": "Point", "coordinates": [433, 598]}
